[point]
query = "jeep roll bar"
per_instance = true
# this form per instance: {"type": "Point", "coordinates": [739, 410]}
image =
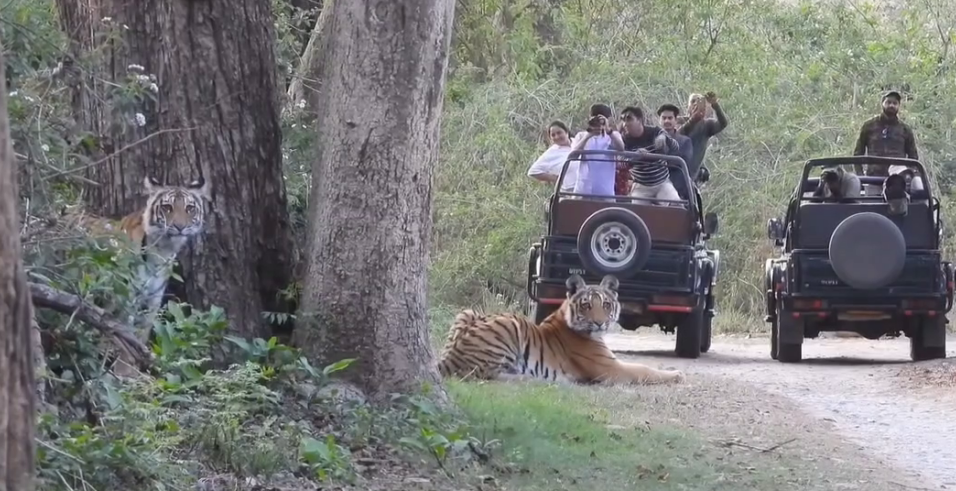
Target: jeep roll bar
{"type": "Point", "coordinates": [864, 160]}
{"type": "Point", "coordinates": [611, 157]}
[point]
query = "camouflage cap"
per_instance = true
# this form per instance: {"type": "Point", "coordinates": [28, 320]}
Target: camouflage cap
{"type": "Point", "coordinates": [892, 93]}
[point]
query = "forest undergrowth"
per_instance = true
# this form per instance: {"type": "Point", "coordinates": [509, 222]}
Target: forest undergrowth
{"type": "Point", "coordinates": [796, 80]}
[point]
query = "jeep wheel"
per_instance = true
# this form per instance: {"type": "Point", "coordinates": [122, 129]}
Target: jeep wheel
{"type": "Point", "coordinates": [930, 328]}
{"type": "Point", "coordinates": [614, 241]}
{"type": "Point", "coordinates": [705, 332]}
{"type": "Point", "coordinates": [706, 328]}
{"type": "Point", "coordinates": [689, 335]}
{"type": "Point", "coordinates": [540, 312]}
{"type": "Point", "coordinates": [774, 328]}
{"type": "Point", "coordinates": [867, 251]}
{"type": "Point", "coordinates": [786, 352]}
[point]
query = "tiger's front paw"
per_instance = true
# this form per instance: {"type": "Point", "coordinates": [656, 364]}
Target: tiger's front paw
{"type": "Point", "coordinates": [677, 377]}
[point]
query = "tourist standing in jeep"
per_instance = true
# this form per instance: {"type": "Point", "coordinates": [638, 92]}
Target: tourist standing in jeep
{"type": "Point", "coordinates": [650, 179]}
{"type": "Point", "coordinates": [700, 129]}
{"type": "Point", "coordinates": [884, 135]}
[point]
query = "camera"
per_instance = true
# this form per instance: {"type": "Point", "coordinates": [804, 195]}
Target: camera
{"type": "Point", "coordinates": [830, 176]}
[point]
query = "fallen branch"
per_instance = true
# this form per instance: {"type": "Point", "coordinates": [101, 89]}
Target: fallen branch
{"type": "Point", "coordinates": [732, 443]}
{"type": "Point", "coordinates": [66, 303]}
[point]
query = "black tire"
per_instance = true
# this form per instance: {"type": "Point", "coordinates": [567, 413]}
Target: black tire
{"type": "Point", "coordinates": [707, 327]}
{"type": "Point", "coordinates": [786, 352]}
{"type": "Point", "coordinates": [628, 322]}
{"type": "Point", "coordinates": [867, 251]}
{"type": "Point", "coordinates": [626, 236]}
{"type": "Point", "coordinates": [919, 352]}
{"type": "Point", "coordinates": [705, 333]}
{"type": "Point", "coordinates": [540, 312]}
{"type": "Point", "coordinates": [774, 335]}
{"type": "Point", "coordinates": [789, 353]}
{"type": "Point", "coordinates": [689, 335]}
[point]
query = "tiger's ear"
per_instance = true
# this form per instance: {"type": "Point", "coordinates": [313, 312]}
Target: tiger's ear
{"type": "Point", "coordinates": [610, 282]}
{"type": "Point", "coordinates": [201, 187]}
{"type": "Point", "coordinates": [574, 283]}
{"type": "Point", "coordinates": [151, 184]}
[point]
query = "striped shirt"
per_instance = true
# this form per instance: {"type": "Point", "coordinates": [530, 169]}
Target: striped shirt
{"type": "Point", "coordinates": [650, 173]}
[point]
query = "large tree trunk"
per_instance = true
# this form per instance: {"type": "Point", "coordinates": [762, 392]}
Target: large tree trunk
{"type": "Point", "coordinates": [216, 114]}
{"type": "Point", "coordinates": [17, 389]}
{"type": "Point", "coordinates": [371, 223]}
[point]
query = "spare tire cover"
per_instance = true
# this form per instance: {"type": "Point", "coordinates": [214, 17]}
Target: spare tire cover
{"type": "Point", "coordinates": [867, 251]}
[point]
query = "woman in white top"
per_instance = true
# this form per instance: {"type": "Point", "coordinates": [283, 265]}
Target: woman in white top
{"type": "Point", "coordinates": [548, 166]}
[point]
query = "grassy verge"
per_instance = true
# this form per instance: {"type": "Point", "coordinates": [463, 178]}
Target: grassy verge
{"type": "Point", "coordinates": [565, 438]}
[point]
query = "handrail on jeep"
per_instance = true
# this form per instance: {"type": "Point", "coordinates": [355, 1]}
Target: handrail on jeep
{"type": "Point", "coordinates": [611, 157]}
{"type": "Point", "coordinates": [865, 160]}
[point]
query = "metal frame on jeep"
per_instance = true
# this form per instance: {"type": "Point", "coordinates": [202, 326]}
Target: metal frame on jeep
{"type": "Point", "coordinates": [658, 253]}
{"type": "Point", "coordinates": [858, 266]}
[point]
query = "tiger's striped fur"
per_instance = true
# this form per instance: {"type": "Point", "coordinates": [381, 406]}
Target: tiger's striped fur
{"type": "Point", "coordinates": [171, 216]}
{"type": "Point", "coordinates": [567, 346]}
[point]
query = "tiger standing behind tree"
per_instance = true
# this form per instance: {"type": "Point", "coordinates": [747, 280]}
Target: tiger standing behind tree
{"type": "Point", "coordinates": [566, 346]}
{"type": "Point", "coordinates": [171, 216]}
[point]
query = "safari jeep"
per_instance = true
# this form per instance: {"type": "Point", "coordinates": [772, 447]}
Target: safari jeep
{"type": "Point", "coordinates": [858, 266]}
{"type": "Point", "coordinates": [656, 251]}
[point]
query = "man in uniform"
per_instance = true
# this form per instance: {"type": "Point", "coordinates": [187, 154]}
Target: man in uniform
{"type": "Point", "coordinates": [885, 135]}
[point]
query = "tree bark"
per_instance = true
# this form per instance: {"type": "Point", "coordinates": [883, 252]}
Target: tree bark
{"type": "Point", "coordinates": [371, 223]}
{"type": "Point", "coordinates": [17, 389]}
{"type": "Point", "coordinates": [216, 114]}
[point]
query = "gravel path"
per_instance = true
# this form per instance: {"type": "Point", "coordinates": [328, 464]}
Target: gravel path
{"type": "Point", "coordinates": [899, 414]}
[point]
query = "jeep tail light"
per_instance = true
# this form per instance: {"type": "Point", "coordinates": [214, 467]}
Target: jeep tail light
{"type": "Point", "coordinates": [672, 300]}
{"type": "Point", "coordinates": [808, 304]}
{"type": "Point", "coordinates": [920, 304]}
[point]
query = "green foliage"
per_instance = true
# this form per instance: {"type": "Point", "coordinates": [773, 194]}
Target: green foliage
{"type": "Point", "coordinates": [327, 459]}
{"type": "Point", "coordinates": [438, 432]}
{"type": "Point", "coordinates": [796, 80]}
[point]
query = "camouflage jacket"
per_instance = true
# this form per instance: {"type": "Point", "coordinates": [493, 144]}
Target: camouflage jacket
{"type": "Point", "coordinates": [885, 137]}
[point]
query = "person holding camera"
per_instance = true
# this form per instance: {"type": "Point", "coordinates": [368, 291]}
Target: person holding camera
{"type": "Point", "coordinates": [596, 177]}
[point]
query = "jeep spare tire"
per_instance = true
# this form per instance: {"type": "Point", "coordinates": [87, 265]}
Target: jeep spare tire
{"type": "Point", "coordinates": [614, 241]}
{"type": "Point", "coordinates": [867, 251]}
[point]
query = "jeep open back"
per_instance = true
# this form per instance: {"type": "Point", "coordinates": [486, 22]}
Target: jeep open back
{"type": "Point", "coordinates": [656, 251]}
{"type": "Point", "coordinates": [858, 266]}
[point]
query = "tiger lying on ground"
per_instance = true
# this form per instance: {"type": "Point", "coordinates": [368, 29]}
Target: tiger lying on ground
{"type": "Point", "coordinates": [566, 347]}
{"type": "Point", "coordinates": [171, 216]}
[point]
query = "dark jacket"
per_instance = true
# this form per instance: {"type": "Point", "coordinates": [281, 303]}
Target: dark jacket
{"type": "Point", "coordinates": [885, 137]}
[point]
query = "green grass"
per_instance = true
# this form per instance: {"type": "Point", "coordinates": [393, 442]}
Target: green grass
{"type": "Point", "coordinates": [561, 438]}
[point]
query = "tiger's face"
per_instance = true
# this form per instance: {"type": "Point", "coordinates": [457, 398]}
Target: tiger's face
{"type": "Point", "coordinates": [592, 309]}
{"type": "Point", "coordinates": [173, 211]}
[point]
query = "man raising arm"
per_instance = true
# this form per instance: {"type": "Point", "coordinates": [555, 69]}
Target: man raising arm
{"type": "Point", "coordinates": [701, 129]}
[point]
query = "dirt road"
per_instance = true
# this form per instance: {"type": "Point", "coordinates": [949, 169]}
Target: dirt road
{"type": "Point", "coordinates": [902, 415]}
